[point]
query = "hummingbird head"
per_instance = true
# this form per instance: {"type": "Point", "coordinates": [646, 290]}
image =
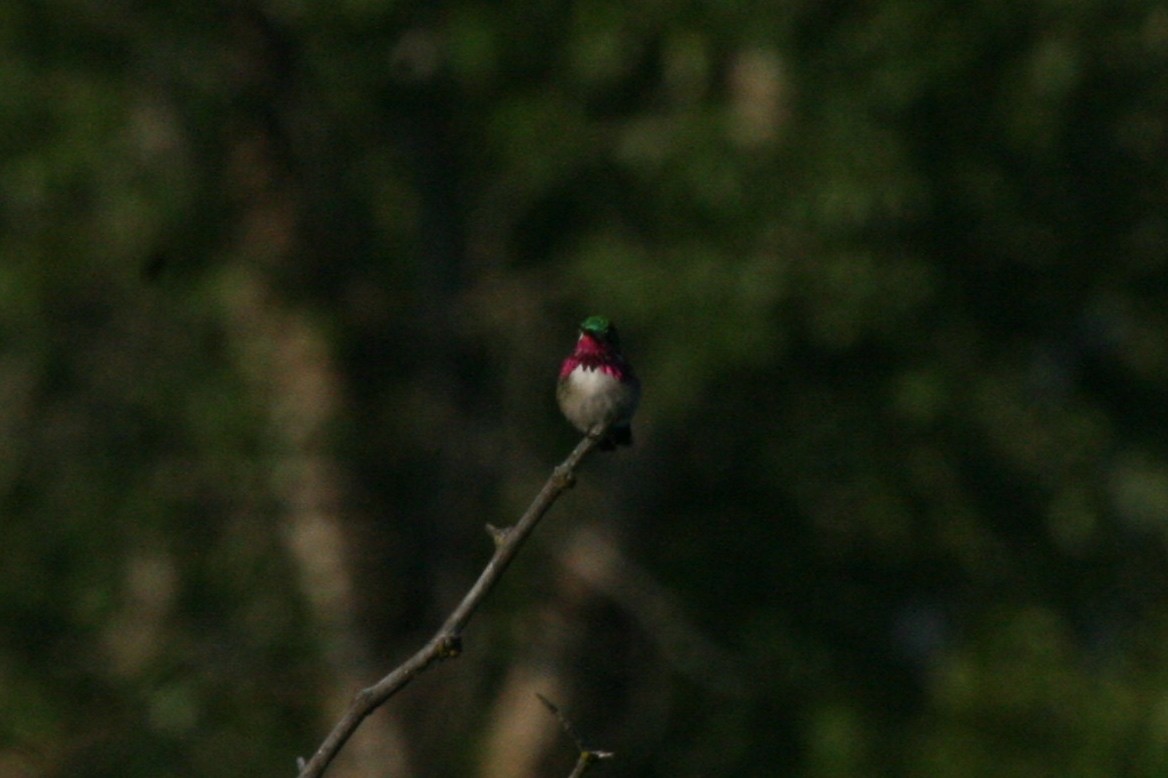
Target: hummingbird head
{"type": "Point", "coordinates": [601, 330]}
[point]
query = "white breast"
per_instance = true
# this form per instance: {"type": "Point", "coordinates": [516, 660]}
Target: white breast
{"type": "Point", "coordinates": [590, 382]}
{"type": "Point", "coordinates": [593, 397]}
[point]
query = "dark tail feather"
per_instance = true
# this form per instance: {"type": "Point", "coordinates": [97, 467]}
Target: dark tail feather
{"type": "Point", "coordinates": [618, 436]}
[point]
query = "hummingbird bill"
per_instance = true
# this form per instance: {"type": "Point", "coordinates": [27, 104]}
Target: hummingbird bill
{"type": "Point", "coordinates": [597, 387]}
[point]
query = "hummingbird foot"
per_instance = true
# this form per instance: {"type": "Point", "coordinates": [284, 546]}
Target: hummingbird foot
{"type": "Point", "coordinates": [602, 434]}
{"type": "Point", "coordinates": [611, 436]}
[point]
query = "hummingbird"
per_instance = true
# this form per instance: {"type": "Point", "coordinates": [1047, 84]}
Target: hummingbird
{"type": "Point", "coordinates": [597, 387]}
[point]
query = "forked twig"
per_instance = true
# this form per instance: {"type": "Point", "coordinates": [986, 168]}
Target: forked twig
{"type": "Point", "coordinates": [588, 756]}
{"type": "Point", "coordinates": [447, 642]}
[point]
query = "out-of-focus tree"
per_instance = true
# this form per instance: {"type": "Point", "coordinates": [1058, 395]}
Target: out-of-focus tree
{"type": "Point", "coordinates": [283, 291]}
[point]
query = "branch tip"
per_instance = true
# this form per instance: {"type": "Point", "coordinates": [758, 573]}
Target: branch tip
{"type": "Point", "coordinates": [498, 534]}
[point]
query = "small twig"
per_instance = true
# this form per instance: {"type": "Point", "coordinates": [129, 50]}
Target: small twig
{"type": "Point", "coordinates": [447, 642]}
{"type": "Point", "coordinates": [588, 756]}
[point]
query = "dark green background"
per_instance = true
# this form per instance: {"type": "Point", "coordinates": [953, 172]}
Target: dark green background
{"type": "Point", "coordinates": [283, 292]}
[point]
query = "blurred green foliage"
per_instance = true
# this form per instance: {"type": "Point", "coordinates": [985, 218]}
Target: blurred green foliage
{"type": "Point", "coordinates": [283, 291]}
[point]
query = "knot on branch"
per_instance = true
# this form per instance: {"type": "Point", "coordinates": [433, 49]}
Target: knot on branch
{"type": "Point", "coordinates": [448, 646]}
{"type": "Point", "coordinates": [565, 476]}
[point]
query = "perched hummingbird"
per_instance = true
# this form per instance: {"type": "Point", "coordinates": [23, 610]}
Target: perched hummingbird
{"type": "Point", "coordinates": [597, 386]}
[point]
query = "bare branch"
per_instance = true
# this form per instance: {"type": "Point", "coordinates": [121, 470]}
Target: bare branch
{"type": "Point", "coordinates": [588, 756]}
{"type": "Point", "coordinates": [447, 642]}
